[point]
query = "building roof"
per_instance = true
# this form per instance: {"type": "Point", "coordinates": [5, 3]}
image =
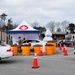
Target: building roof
{"type": "Point", "coordinates": [59, 33]}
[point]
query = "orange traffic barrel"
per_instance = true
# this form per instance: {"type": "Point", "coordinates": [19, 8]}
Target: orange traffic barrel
{"type": "Point", "coordinates": [37, 48]}
{"type": "Point", "coordinates": [54, 43]}
{"type": "Point", "coordinates": [25, 49]}
{"type": "Point", "coordinates": [14, 49]}
{"type": "Point", "coordinates": [49, 49]}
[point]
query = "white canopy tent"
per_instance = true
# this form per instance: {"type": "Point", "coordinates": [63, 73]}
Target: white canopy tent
{"type": "Point", "coordinates": [24, 30]}
{"type": "Point", "coordinates": [24, 26]}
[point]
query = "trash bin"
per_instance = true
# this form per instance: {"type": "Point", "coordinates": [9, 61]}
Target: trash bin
{"type": "Point", "coordinates": [25, 50]}
{"type": "Point", "coordinates": [14, 49]}
{"type": "Point", "coordinates": [54, 43]}
{"type": "Point", "coordinates": [37, 48]}
{"type": "Point", "coordinates": [49, 49]}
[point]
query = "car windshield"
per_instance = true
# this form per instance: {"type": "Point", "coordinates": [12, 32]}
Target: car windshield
{"type": "Point", "coordinates": [35, 41]}
{"type": "Point", "coordinates": [32, 41]}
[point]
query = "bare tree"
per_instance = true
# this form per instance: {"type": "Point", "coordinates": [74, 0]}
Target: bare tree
{"type": "Point", "coordinates": [51, 26]}
{"type": "Point", "coordinates": [65, 25]}
{"type": "Point", "coordinates": [58, 26]}
{"type": "Point", "coordinates": [35, 24]}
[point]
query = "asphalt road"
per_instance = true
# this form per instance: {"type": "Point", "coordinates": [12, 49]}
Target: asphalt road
{"type": "Point", "coordinates": [56, 64]}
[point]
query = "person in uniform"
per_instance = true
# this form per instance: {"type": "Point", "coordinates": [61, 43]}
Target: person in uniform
{"type": "Point", "coordinates": [19, 44]}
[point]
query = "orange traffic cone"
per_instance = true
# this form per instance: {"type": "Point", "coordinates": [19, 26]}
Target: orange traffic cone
{"type": "Point", "coordinates": [35, 62]}
{"type": "Point", "coordinates": [60, 47]}
{"type": "Point", "coordinates": [65, 50]}
{"type": "Point", "coordinates": [41, 53]}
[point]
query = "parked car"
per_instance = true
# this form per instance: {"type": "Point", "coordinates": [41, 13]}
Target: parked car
{"type": "Point", "coordinates": [67, 43]}
{"type": "Point", "coordinates": [33, 42]}
{"type": "Point", "coordinates": [5, 51]}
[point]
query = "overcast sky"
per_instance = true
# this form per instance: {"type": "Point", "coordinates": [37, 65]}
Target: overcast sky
{"type": "Point", "coordinates": [42, 11]}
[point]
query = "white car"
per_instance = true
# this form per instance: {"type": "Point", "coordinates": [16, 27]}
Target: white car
{"type": "Point", "coordinates": [5, 51]}
{"type": "Point", "coordinates": [32, 43]}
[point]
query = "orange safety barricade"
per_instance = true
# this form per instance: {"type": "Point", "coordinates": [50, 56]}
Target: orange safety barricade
{"type": "Point", "coordinates": [37, 49]}
{"type": "Point", "coordinates": [25, 50]}
{"type": "Point", "coordinates": [49, 49]}
{"type": "Point", "coordinates": [14, 49]}
{"type": "Point", "coordinates": [54, 43]}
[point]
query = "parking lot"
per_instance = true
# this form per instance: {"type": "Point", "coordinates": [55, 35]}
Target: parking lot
{"type": "Point", "coordinates": [56, 64]}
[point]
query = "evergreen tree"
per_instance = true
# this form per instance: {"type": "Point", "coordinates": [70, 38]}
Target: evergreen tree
{"type": "Point", "coordinates": [71, 27]}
